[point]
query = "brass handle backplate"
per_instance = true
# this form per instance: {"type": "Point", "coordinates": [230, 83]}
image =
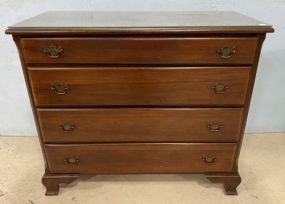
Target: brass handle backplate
{"type": "Point", "coordinates": [72, 160]}
{"type": "Point", "coordinates": [214, 126]}
{"type": "Point", "coordinates": [53, 51]}
{"type": "Point", "coordinates": [209, 159]}
{"type": "Point", "coordinates": [220, 88]}
{"type": "Point", "coordinates": [59, 89]}
{"type": "Point", "coordinates": [67, 127]}
{"type": "Point", "coordinates": [226, 51]}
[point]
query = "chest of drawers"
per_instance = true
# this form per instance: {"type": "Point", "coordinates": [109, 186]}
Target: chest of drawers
{"type": "Point", "coordinates": [124, 93]}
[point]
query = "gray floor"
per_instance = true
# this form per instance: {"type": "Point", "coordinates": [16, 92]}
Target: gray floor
{"type": "Point", "coordinates": [262, 166]}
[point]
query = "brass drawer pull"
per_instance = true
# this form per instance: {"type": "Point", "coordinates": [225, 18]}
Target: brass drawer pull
{"type": "Point", "coordinates": [67, 127]}
{"type": "Point", "coordinates": [72, 160]}
{"type": "Point", "coordinates": [209, 159]}
{"type": "Point", "coordinates": [226, 51]}
{"type": "Point", "coordinates": [53, 51]}
{"type": "Point", "coordinates": [214, 127]}
{"type": "Point", "coordinates": [220, 88]}
{"type": "Point", "coordinates": [59, 89]}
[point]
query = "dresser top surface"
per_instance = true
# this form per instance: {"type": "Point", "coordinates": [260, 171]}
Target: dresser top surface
{"type": "Point", "coordinates": [210, 20]}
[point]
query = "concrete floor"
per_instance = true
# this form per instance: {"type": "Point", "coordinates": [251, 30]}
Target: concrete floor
{"type": "Point", "coordinates": [262, 166]}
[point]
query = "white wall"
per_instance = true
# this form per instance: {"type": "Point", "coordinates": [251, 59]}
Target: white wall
{"type": "Point", "coordinates": [267, 113]}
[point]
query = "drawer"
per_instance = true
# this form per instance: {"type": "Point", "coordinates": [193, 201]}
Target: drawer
{"type": "Point", "coordinates": [139, 86]}
{"type": "Point", "coordinates": [140, 158]}
{"type": "Point", "coordinates": [135, 50]}
{"type": "Point", "coordinates": [140, 125]}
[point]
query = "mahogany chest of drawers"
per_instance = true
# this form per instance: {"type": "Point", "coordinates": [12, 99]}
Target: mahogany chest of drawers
{"type": "Point", "coordinates": [124, 93]}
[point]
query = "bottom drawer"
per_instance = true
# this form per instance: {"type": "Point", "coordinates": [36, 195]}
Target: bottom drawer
{"type": "Point", "coordinates": [140, 158]}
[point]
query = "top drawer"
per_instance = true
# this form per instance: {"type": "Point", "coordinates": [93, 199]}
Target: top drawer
{"type": "Point", "coordinates": [135, 50]}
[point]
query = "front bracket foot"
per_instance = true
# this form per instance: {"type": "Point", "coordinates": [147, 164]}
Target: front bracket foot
{"type": "Point", "coordinates": [231, 181]}
{"type": "Point", "coordinates": [52, 181]}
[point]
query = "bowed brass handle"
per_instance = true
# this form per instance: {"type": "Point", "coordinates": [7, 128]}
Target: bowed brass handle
{"type": "Point", "coordinates": [59, 89]}
{"type": "Point", "coordinates": [67, 127]}
{"type": "Point", "coordinates": [209, 159]}
{"type": "Point", "coordinates": [53, 51]}
{"type": "Point", "coordinates": [220, 88]}
{"type": "Point", "coordinates": [214, 127]}
{"type": "Point", "coordinates": [226, 51]}
{"type": "Point", "coordinates": [72, 160]}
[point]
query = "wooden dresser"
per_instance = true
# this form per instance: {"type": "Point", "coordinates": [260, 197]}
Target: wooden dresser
{"type": "Point", "coordinates": [133, 92]}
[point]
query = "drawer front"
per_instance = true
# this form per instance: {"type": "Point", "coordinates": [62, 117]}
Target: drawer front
{"type": "Point", "coordinates": [140, 125]}
{"type": "Point", "coordinates": [140, 158]}
{"type": "Point", "coordinates": [140, 50]}
{"type": "Point", "coordinates": [139, 86]}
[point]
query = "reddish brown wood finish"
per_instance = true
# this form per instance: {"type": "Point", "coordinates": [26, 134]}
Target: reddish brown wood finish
{"type": "Point", "coordinates": [32, 102]}
{"type": "Point", "coordinates": [52, 181]}
{"type": "Point", "coordinates": [140, 125]}
{"type": "Point", "coordinates": [231, 181]}
{"type": "Point", "coordinates": [139, 51]}
{"type": "Point", "coordinates": [122, 50]}
{"type": "Point", "coordinates": [140, 86]}
{"type": "Point", "coordinates": [240, 30]}
{"type": "Point", "coordinates": [248, 96]}
{"type": "Point", "coordinates": [140, 158]}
